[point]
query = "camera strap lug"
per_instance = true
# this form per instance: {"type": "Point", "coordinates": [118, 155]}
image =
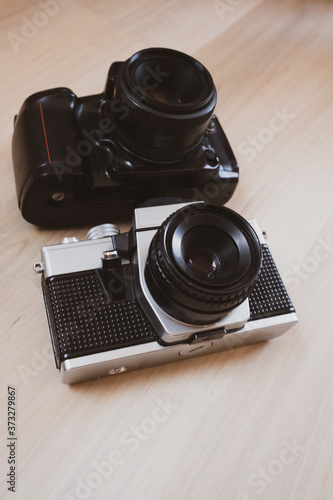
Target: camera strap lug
{"type": "Point", "coordinates": [38, 267]}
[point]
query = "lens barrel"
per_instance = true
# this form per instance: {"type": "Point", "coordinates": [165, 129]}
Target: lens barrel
{"type": "Point", "coordinates": [203, 262]}
{"type": "Point", "coordinates": [163, 102]}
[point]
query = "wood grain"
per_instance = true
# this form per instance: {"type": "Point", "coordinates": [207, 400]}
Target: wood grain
{"type": "Point", "coordinates": [256, 422]}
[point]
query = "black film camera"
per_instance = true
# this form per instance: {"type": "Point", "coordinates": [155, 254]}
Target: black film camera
{"type": "Point", "coordinates": [151, 134]}
{"type": "Point", "coordinates": [187, 279]}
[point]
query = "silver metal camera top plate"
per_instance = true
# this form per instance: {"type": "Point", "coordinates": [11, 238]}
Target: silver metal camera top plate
{"type": "Point", "coordinates": [149, 217]}
{"type": "Point", "coordinates": [153, 217]}
{"type": "Point", "coordinates": [74, 257]}
{"type": "Point", "coordinates": [257, 229]}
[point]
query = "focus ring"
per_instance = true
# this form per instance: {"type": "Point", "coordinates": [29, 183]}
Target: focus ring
{"type": "Point", "coordinates": [168, 121]}
{"type": "Point", "coordinates": [144, 152]}
{"type": "Point", "coordinates": [178, 291]}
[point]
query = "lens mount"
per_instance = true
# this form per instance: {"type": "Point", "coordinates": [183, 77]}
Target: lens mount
{"type": "Point", "coordinates": [203, 262]}
{"type": "Point", "coordinates": [163, 102]}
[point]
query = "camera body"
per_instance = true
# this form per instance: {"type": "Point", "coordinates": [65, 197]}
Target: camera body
{"type": "Point", "coordinates": [106, 318]}
{"type": "Point", "coordinates": [151, 134]}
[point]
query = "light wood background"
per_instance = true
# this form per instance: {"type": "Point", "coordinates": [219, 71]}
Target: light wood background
{"type": "Point", "coordinates": [254, 423]}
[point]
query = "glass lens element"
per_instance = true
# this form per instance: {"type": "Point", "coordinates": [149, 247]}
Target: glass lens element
{"type": "Point", "coordinates": [166, 94]}
{"type": "Point", "coordinates": [204, 261]}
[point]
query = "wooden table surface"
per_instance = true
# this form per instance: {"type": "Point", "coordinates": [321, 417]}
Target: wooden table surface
{"type": "Point", "coordinates": [252, 423]}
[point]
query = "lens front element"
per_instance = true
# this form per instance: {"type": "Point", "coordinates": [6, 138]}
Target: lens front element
{"type": "Point", "coordinates": [166, 94]}
{"type": "Point", "coordinates": [203, 261]}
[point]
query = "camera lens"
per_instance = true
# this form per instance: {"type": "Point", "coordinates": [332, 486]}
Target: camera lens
{"type": "Point", "coordinates": [163, 102]}
{"type": "Point", "coordinates": [203, 262]}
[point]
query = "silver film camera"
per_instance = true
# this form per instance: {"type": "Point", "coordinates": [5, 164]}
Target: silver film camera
{"type": "Point", "coordinates": [186, 280]}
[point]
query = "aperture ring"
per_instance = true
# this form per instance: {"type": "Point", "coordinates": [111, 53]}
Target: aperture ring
{"type": "Point", "coordinates": [180, 294]}
{"type": "Point", "coordinates": [145, 153]}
